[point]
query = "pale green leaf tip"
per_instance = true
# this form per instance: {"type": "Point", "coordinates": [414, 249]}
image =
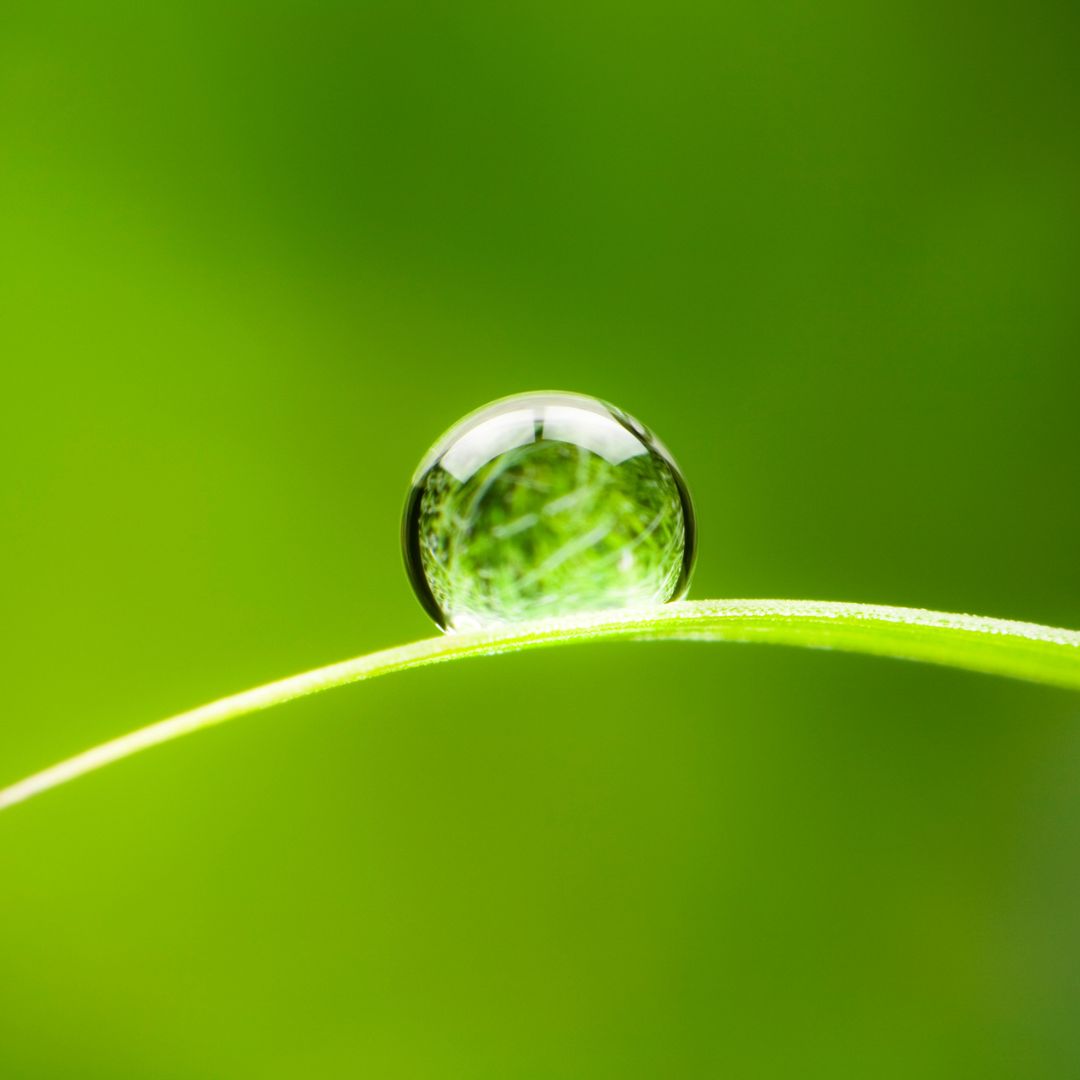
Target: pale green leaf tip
{"type": "Point", "coordinates": [1020, 650]}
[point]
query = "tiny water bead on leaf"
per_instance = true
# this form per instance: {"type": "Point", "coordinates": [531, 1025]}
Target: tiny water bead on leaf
{"type": "Point", "coordinates": [546, 504]}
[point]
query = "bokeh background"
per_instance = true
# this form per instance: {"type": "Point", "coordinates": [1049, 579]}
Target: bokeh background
{"type": "Point", "coordinates": [254, 258]}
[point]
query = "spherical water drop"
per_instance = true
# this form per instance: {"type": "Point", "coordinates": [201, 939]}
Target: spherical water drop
{"type": "Point", "coordinates": [546, 504]}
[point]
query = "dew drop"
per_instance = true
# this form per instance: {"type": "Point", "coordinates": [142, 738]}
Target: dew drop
{"type": "Point", "coordinates": [546, 504]}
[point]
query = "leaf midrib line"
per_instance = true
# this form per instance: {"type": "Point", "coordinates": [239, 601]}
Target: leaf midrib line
{"type": "Point", "coordinates": [1021, 650]}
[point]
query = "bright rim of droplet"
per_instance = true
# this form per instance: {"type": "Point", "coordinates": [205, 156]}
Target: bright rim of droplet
{"type": "Point", "coordinates": [546, 504]}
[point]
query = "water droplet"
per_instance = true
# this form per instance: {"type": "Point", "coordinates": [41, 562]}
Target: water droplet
{"type": "Point", "coordinates": [546, 504]}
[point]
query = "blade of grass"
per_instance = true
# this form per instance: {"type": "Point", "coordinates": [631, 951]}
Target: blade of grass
{"type": "Point", "coordinates": [1039, 654]}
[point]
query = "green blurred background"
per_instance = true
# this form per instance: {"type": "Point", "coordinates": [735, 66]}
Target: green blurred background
{"type": "Point", "coordinates": [254, 258]}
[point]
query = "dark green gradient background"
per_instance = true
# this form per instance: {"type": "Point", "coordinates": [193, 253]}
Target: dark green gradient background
{"type": "Point", "coordinates": [254, 258]}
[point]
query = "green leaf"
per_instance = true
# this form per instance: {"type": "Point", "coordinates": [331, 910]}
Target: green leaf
{"type": "Point", "coordinates": [1021, 650]}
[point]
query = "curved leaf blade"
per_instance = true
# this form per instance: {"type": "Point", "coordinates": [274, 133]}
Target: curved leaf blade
{"type": "Point", "coordinates": [1020, 650]}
